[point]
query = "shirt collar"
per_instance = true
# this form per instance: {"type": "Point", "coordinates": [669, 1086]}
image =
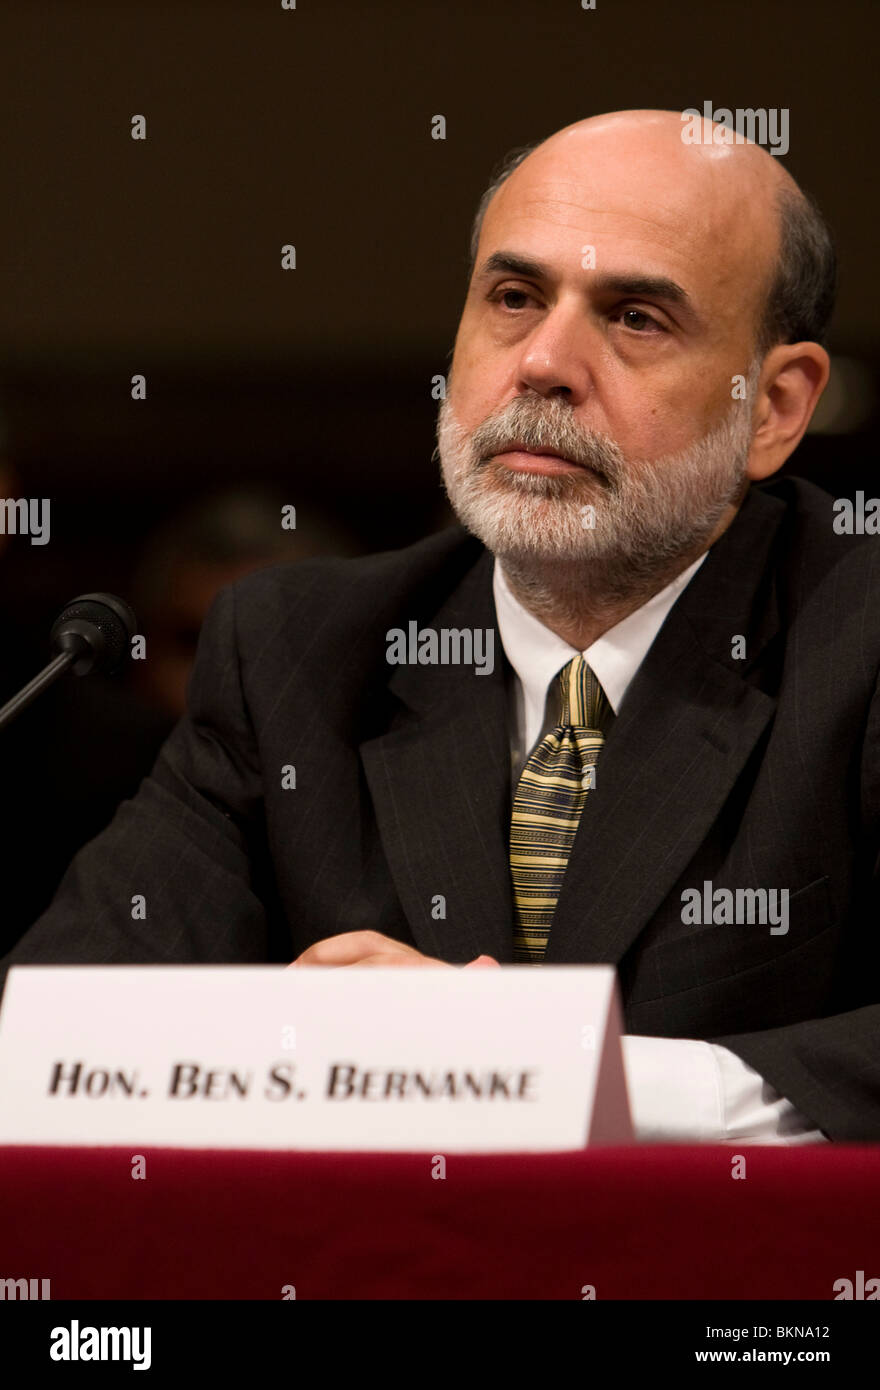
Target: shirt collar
{"type": "Point", "coordinates": [537, 654]}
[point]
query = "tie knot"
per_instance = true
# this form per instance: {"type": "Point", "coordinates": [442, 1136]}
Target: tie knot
{"type": "Point", "coordinates": [582, 699]}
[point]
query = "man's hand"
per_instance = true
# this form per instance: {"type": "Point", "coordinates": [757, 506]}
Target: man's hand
{"type": "Point", "coordinates": [371, 948]}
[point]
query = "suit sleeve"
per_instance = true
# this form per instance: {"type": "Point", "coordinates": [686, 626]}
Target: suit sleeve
{"type": "Point", "coordinates": [171, 879]}
{"type": "Point", "coordinates": [829, 1068]}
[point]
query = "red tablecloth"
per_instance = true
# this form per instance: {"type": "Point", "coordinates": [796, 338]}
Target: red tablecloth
{"type": "Point", "coordinates": [636, 1223]}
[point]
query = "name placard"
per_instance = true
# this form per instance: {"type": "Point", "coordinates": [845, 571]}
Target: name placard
{"type": "Point", "coordinates": [261, 1057]}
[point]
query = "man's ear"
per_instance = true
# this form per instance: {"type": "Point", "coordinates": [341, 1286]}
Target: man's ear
{"type": "Point", "coordinates": [793, 377]}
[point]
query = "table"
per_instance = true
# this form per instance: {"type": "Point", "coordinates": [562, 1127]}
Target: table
{"type": "Point", "coordinates": [642, 1222]}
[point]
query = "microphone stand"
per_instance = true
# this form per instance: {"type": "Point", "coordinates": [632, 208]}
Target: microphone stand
{"type": "Point", "coordinates": [46, 677]}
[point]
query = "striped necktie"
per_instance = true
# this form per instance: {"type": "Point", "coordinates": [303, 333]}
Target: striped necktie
{"type": "Point", "coordinates": [547, 805]}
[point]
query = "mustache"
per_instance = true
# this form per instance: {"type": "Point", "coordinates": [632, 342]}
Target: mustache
{"type": "Point", "coordinates": [551, 427]}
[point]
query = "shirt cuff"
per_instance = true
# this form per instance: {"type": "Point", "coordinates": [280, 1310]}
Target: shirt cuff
{"type": "Point", "coordinates": [754, 1112]}
{"type": "Point", "coordinates": [684, 1090]}
{"type": "Point", "coordinates": [674, 1090]}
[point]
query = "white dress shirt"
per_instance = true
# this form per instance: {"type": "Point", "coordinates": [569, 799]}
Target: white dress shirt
{"type": "Point", "coordinates": [680, 1089]}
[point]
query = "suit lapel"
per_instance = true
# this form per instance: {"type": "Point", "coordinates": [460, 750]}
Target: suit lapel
{"type": "Point", "coordinates": [440, 782]}
{"type": "Point", "coordinates": [687, 725]}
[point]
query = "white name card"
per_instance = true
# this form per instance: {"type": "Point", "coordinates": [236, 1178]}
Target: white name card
{"type": "Point", "coordinates": [262, 1057]}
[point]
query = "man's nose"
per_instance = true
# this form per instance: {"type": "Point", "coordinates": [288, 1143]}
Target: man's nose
{"type": "Point", "coordinates": [559, 356]}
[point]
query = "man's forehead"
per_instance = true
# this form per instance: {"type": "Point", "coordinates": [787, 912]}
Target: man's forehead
{"type": "Point", "coordinates": [550, 239]}
{"type": "Point", "coordinates": [690, 227]}
{"type": "Point", "coordinates": [560, 212]}
{"type": "Point", "coordinates": [663, 199]}
{"type": "Point", "coordinates": [648, 149]}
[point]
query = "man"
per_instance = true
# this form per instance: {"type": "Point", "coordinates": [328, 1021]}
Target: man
{"type": "Point", "coordinates": [671, 766]}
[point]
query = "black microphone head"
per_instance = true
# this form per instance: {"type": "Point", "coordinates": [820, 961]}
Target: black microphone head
{"type": "Point", "coordinates": [98, 628]}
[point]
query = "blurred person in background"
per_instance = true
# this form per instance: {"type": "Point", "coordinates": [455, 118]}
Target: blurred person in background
{"type": "Point", "coordinates": [188, 559]}
{"type": "Point", "coordinates": [84, 746]}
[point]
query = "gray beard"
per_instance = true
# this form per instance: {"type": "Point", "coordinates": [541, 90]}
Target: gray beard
{"type": "Point", "coordinates": [586, 546]}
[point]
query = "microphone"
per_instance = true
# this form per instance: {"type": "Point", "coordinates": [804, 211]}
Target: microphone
{"type": "Point", "coordinates": [93, 633]}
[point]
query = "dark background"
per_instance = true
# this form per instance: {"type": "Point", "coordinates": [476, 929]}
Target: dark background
{"type": "Point", "coordinates": [313, 386]}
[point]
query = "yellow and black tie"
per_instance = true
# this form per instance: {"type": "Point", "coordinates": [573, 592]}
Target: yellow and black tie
{"type": "Point", "coordinates": [550, 795]}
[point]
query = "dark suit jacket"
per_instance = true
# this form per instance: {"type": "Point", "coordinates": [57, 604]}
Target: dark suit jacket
{"type": "Point", "coordinates": [754, 772]}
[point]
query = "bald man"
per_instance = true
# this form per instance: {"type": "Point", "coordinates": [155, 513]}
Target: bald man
{"type": "Point", "coordinates": [625, 713]}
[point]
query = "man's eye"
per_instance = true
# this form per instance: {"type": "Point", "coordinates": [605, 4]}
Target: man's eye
{"type": "Point", "coordinates": [506, 296]}
{"type": "Point", "coordinates": [639, 321]}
